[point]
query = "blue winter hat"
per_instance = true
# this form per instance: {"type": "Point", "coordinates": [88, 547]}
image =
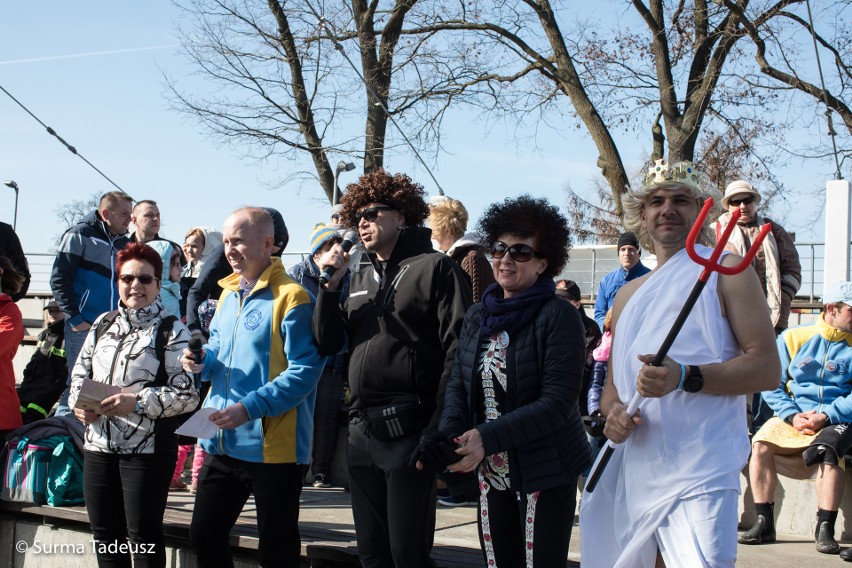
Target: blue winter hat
{"type": "Point", "coordinates": [321, 234]}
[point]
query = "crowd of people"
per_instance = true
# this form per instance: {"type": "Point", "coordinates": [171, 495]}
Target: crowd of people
{"type": "Point", "coordinates": [462, 362]}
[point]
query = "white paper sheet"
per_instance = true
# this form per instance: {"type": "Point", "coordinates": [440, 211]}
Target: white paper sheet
{"type": "Point", "coordinates": [199, 425]}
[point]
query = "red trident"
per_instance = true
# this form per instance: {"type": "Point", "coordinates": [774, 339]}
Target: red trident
{"type": "Point", "coordinates": [710, 265]}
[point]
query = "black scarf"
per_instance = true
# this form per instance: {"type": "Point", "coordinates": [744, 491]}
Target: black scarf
{"type": "Point", "coordinates": [511, 314]}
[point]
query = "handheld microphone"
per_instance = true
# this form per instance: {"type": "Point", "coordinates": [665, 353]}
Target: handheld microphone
{"type": "Point", "coordinates": [350, 239]}
{"type": "Point", "coordinates": [195, 347]}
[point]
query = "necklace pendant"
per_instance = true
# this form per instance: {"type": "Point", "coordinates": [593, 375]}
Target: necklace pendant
{"type": "Point", "coordinates": [503, 339]}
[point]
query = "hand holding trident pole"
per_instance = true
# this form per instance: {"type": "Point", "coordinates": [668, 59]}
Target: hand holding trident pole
{"type": "Point", "coordinates": [710, 265]}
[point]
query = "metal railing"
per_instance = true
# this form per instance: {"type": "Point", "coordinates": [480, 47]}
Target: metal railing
{"type": "Point", "coordinates": [587, 266]}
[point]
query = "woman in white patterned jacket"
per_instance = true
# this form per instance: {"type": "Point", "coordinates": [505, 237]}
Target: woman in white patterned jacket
{"type": "Point", "coordinates": [131, 446]}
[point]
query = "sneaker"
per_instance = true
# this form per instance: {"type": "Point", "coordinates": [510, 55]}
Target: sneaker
{"type": "Point", "coordinates": [321, 481]}
{"type": "Point", "coordinates": [192, 488]}
{"type": "Point", "coordinates": [177, 485]}
{"type": "Point", "coordinates": [454, 502]}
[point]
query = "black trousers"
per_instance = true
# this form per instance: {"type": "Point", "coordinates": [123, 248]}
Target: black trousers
{"type": "Point", "coordinates": [393, 504]}
{"type": "Point", "coordinates": [126, 498]}
{"type": "Point", "coordinates": [326, 420]}
{"type": "Point", "coordinates": [526, 531]}
{"type": "Point", "coordinates": [224, 486]}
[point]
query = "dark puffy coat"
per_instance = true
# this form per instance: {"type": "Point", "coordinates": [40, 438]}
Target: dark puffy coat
{"type": "Point", "coordinates": [540, 426]}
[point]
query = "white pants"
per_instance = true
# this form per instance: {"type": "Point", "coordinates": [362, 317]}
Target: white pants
{"type": "Point", "coordinates": [701, 531]}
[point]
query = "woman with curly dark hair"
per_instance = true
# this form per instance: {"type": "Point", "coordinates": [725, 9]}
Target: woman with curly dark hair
{"type": "Point", "coordinates": [510, 408]}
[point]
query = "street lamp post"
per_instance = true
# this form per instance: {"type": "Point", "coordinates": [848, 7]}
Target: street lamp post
{"type": "Point", "coordinates": [11, 183]}
{"type": "Point", "coordinates": [341, 167]}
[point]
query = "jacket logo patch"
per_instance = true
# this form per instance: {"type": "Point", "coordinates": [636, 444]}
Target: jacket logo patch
{"type": "Point", "coordinates": [252, 320]}
{"type": "Point", "coordinates": [838, 366]}
{"type": "Point", "coordinates": [361, 293]}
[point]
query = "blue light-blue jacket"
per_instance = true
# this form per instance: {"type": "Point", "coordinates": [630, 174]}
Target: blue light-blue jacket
{"type": "Point", "coordinates": [262, 353]}
{"type": "Point", "coordinates": [816, 361]}
{"type": "Point", "coordinates": [611, 284]}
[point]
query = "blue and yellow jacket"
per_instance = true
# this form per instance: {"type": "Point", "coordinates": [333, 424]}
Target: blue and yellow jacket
{"type": "Point", "coordinates": [262, 353]}
{"type": "Point", "coordinates": [817, 373]}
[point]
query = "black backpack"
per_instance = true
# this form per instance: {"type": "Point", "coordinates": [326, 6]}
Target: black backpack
{"type": "Point", "coordinates": [163, 332]}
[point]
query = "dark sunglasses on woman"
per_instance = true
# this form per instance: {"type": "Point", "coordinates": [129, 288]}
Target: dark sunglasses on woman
{"type": "Point", "coordinates": [144, 279]}
{"type": "Point", "coordinates": [518, 252]}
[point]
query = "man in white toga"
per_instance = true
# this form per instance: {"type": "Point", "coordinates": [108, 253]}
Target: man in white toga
{"type": "Point", "coordinates": [669, 494]}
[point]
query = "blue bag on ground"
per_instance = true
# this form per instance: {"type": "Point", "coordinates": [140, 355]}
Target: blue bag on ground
{"type": "Point", "coordinates": [45, 471]}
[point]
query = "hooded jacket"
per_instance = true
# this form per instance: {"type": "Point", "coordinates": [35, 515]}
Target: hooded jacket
{"type": "Point", "coordinates": [402, 323]}
{"type": "Point", "coordinates": [83, 275]}
{"type": "Point", "coordinates": [11, 334]}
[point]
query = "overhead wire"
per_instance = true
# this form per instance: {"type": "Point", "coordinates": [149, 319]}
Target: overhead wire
{"type": "Point", "coordinates": [339, 47]}
{"type": "Point", "coordinates": [53, 133]}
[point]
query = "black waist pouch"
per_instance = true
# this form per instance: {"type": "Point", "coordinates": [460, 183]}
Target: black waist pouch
{"type": "Point", "coordinates": [394, 420]}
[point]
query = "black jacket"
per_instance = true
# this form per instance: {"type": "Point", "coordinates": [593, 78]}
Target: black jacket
{"type": "Point", "coordinates": [403, 330]}
{"type": "Point", "coordinates": [206, 286]}
{"type": "Point", "coordinates": [47, 370]}
{"type": "Point", "coordinates": [540, 425]}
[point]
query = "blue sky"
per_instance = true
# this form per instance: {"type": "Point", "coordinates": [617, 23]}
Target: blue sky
{"type": "Point", "coordinates": [112, 107]}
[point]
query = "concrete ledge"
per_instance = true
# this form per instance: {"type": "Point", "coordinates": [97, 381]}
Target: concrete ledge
{"type": "Point", "coordinates": [796, 507]}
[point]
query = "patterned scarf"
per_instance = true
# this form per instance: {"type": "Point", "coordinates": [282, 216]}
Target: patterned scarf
{"type": "Point", "coordinates": [511, 314]}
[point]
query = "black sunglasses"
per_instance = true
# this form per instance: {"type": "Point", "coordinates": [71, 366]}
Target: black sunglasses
{"type": "Point", "coordinates": [371, 213]}
{"type": "Point", "coordinates": [143, 279]}
{"type": "Point", "coordinates": [518, 252]}
{"type": "Point", "coordinates": [747, 200]}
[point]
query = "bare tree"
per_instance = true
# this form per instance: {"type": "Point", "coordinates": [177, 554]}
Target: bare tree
{"type": "Point", "coordinates": [291, 77]}
{"type": "Point", "coordinates": [71, 213]}
{"type": "Point", "coordinates": [670, 70]}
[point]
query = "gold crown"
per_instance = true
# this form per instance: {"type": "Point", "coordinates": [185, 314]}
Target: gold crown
{"type": "Point", "coordinates": [683, 172]}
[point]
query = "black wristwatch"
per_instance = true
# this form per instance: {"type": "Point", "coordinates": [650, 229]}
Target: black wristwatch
{"type": "Point", "coordinates": [694, 381]}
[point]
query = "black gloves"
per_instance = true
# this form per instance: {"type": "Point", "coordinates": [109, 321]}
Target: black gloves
{"type": "Point", "coordinates": [435, 451]}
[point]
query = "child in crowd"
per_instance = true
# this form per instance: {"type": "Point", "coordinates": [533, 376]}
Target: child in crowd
{"type": "Point", "coordinates": [45, 374]}
{"type": "Point", "coordinates": [594, 426]}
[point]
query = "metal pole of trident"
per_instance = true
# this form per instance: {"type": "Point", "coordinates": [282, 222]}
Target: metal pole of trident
{"type": "Point", "coordinates": [710, 265]}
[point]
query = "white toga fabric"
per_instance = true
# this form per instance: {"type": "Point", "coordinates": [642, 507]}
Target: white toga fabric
{"type": "Point", "coordinates": [689, 444]}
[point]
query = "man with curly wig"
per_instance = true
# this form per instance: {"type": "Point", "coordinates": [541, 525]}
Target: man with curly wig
{"type": "Point", "coordinates": [400, 322]}
{"type": "Point", "coordinates": [669, 493]}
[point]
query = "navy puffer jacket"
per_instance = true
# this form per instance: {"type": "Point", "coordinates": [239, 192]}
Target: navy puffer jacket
{"type": "Point", "coordinates": [540, 424]}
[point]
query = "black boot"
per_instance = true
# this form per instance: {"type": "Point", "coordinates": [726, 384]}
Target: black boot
{"type": "Point", "coordinates": [846, 555]}
{"type": "Point", "coordinates": [824, 534]}
{"type": "Point", "coordinates": [763, 529]}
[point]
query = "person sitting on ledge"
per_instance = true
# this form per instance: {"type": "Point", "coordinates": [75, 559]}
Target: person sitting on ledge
{"type": "Point", "coordinates": [813, 409]}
